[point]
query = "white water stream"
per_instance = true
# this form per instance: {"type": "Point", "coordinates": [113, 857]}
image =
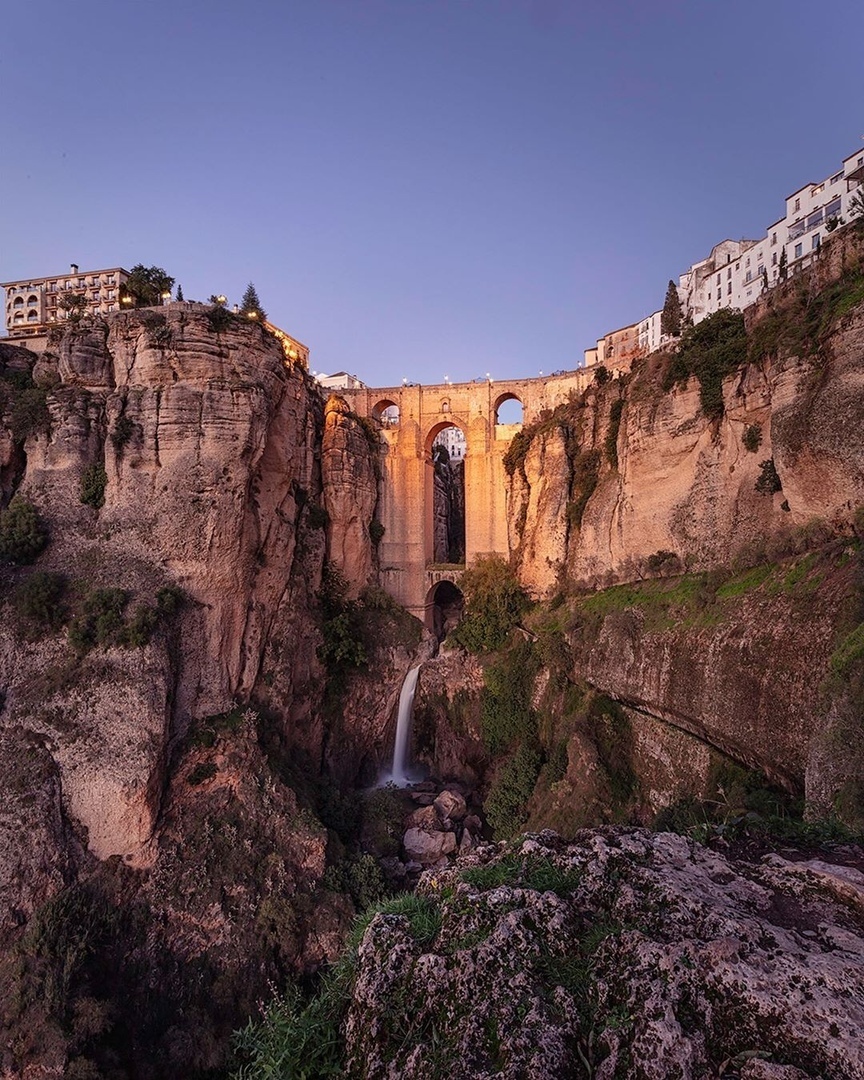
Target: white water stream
{"type": "Point", "coordinates": [398, 775]}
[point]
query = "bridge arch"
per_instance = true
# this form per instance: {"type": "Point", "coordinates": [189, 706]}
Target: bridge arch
{"type": "Point", "coordinates": [508, 409]}
{"type": "Point", "coordinates": [386, 412]}
{"type": "Point", "coordinates": [444, 494]}
{"type": "Point", "coordinates": [444, 604]}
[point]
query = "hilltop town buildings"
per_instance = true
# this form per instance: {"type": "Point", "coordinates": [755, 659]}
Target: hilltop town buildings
{"type": "Point", "coordinates": [32, 306]}
{"type": "Point", "coordinates": [736, 272]}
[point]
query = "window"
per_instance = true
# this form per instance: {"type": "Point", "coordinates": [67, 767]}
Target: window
{"type": "Point", "coordinates": [833, 208]}
{"type": "Point", "coordinates": [799, 248]}
{"type": "Point", "coordinates": [773, 238]}
{"type": "Point", "coordinates": [729, 288]}
{"type": "Point", "coordinates": [774, 259]}
{"type": "Point", "coordinates": [718, 294]}
{"type": "Point", "coordinates": [797, 204]}
{"type": "Point", "coordinates": [748, 276]}
{"type": "Point", "coordinates": [729, 273]}
{"type": "Point", "coordinates": [718, 279]}
{"type": "Point", "coordinates": [817, 240]}
{"type": "Point", "coordinates": [747, 261]}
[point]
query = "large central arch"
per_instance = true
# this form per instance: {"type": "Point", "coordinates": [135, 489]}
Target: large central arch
{"type": "Point", "coordinates": [444, 484]}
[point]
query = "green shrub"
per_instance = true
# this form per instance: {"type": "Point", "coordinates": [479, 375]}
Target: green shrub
{"type": "Point", "coordinates": [664, 562]}
{"type": "Point", "coordinates": [342, 646]}
{"type": "Point", "coordinates": [29, 414]}
{"type": "Point", "coordinates": [204, 770]}
{"type": "Point", "coordinates": [507, 801]}
{"type": "Point", "coordinates": [139, 630]}
{"type": "Point", "coordinates": [612, 434]}
{"type": "Point", "coordinates": [506, 713]}
{"type": "Point", "coordinates": [93, 482]}
{"type": "Point", "coordinates": [711, 350]}
{"type": "Point", "coordinates": [22, 533]}
{"type": "Point", "coordinates": [169, 600]}
{"type": "Point", "coordinates": [601, 375]}
{"type": "Point", "coordinates": [585, 470]}
{"type": "Point", "coordinates": [769, 479]}
{"type": "Point", "coordinates": [494, 604]}
{"type": "Point", "coordinates": [101, 620]}
{"type": "Point", "coordinates": [124, 429]}
{"type": "Point", "coordinates": [39, 599]}
{"type": "Point", "coordinates": [752, 438]}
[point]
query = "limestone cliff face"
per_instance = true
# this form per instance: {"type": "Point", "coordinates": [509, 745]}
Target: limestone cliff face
{"type": "Point", "coordinates": [664, 477]}
{"type": "Point", "coordinates": [205, 488]}
{"type": "Point", "coordinates": [350, 469]}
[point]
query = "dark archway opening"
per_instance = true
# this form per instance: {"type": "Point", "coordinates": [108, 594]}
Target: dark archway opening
{"type": "Point", "coordinates": [446, 611]}
{"type": "Point", "coordinates": [448, 496]}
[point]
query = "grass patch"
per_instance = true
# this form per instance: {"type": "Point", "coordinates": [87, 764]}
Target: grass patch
{"type": "Point", "coordinates": [527, 872]}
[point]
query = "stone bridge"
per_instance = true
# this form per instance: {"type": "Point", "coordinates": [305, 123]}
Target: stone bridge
{"type": "Point", "coordinates": [406, 502]}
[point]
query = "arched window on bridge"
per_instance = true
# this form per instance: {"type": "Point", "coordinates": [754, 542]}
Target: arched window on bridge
{"type": "Point", "coordinates": [508, 410]}
{"type": "Point", "coordinates": [444, 604]}
{"type": "Point", "coordinates": [387, 413]}
{"type": "Point", "coordinates": [445, 495]}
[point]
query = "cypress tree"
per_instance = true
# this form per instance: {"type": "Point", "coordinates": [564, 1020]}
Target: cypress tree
{"type": "Point", "coordinates": [670, 316]}
{"type": "Point", "coordinates": [179, 292]}
{"type": "Point", "coordinates": [782, 266]}
{"type": "Point", "coordinates": [251, 305]}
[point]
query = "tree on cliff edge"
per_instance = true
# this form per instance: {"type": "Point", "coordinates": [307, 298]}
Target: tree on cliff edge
{"type": "Point", "coordinates": [251, 305]}
{"type": "Point", "coordinates": [670, 316]}
{"type": "Point", "coordinates": [146, 285]}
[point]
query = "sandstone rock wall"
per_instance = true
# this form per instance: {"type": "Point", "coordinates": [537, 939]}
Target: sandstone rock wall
{"type": "Point", "coordinates": [684, 483]}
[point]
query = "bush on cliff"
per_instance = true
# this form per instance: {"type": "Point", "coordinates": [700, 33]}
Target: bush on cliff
{"type": "Point", "coordinates": [38, 599]}
{"type": "Point", "coordinates": [94, 480]}
{"type": "Point", "coordinates": [711, 350]}
{"type": "Point", "coordinates": [494, 604]}
{"type": "Point", "coordinates": [22, 532]}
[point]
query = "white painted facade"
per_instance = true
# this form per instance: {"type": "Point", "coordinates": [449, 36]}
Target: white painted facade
{"type": "Point", "coordinates": [454, 439]}
{"type": "Point", "coordinates": [737, 272]}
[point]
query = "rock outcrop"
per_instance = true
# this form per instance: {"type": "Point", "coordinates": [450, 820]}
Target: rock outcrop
{"type": "Point", "coordinates": [634, 470]}
{"type": "Point", "coordinates": [623, 953]}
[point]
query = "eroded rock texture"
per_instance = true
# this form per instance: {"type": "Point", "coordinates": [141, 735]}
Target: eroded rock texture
{"type": "Point", "coordinates": [621, 954]}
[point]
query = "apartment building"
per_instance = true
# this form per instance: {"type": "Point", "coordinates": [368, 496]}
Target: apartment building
{"type": "Point", "coordinates": [737, 271]}
{"type": "Point", "coordinates": [32, 306]}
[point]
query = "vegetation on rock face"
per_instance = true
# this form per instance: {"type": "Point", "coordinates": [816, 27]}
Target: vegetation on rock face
{"type": "Point", "coordinates": [124, 429]}
{"type": "Point", "coordinates": [23, 534]}
{"type": "Point", "coordinates": [799, 322]}
{"type": "Point", "coordinates": [710, 350]}
{"type": "Point", "coordinates": [611, 444]}
{"type": "Point", "coordinates": [494, 603]}
{"type": "Point", "coordinates": [752, 438]}
{"type": "Point", "coordinates": [769, 480]}
{"type": "Point", "coordinates": [94, 480]}
{"type": "Point", "coordinates": [38, 599]}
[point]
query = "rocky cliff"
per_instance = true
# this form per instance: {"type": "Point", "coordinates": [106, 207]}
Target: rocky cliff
{"type": "Point", "coordinates": [640, 466]}
{"type": "Point", "coordinates": [164, 696]}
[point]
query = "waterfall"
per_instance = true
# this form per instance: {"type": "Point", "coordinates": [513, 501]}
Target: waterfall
{"type": "Point", "coordinates": [403, 729]}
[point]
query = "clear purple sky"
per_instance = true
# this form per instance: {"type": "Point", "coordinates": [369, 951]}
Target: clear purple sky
{"type": "Point", "coordinates": [418, 188]}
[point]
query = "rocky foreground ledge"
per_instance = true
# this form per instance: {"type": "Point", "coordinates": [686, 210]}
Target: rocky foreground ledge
{"type": "Point", "coordinates": [622, 954]}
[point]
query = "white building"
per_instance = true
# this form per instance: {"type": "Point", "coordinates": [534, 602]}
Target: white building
{"type": "Point", "coordinates": [453, 438]}
{"type": "Point", "coordinates": [340, 380]}
{"type": "Point", "coordinates": [33, 306]}
{"type": "Point", "coordinates": [737, 272]}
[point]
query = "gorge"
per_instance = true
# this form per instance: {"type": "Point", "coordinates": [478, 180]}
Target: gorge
{"type": "Point", "coordinates": [207, 566]}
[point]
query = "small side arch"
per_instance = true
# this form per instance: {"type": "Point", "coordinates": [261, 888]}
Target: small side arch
{"type": "Point", "coordinates": [508, 409]}
{"type": "Point", "coordinates": [386, 412]}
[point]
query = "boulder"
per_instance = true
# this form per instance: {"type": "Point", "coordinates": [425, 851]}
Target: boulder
{"type": "Point", "coordinates": [451, 805]}
{"type": "Point", "coordinates": [424, 847]}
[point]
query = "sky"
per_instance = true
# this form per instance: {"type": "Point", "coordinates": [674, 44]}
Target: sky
{"type": "Point", "coordinates": [417, 188]}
